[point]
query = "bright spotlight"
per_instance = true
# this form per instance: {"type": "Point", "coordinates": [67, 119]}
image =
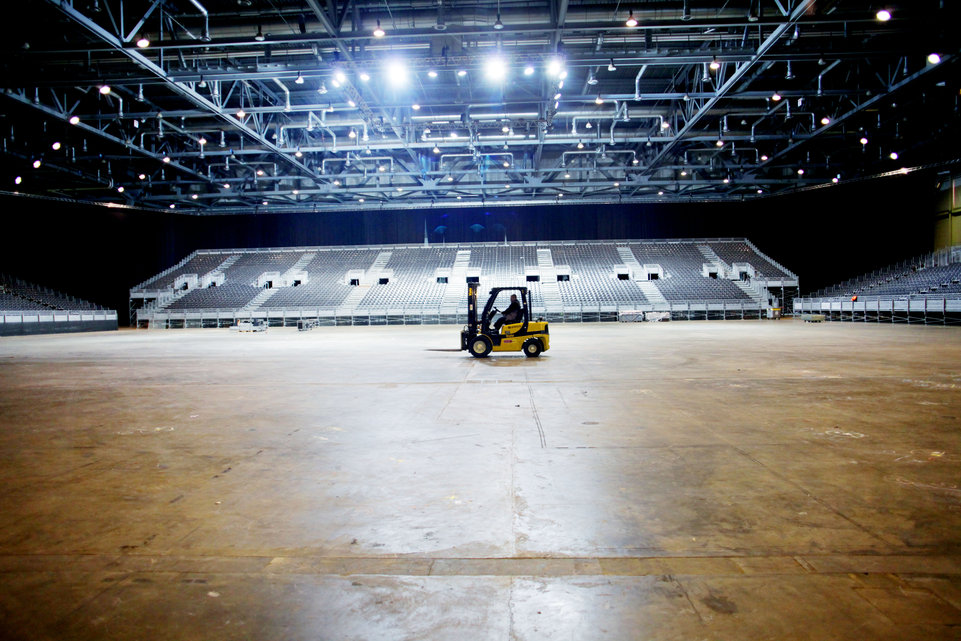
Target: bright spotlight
{"type": "Point", "coordinates": [934, 58]}
{"type": "Point", "coordinates": [554, 66]}
{"type": "Point", "coordinates": [496, 69]}
{"type": "Point", "coordinates": [74, 120]}
{"type": "Point", "coordinates": [397, 73]}
{"type": "Point", "coordinates": [529, 70]}
{"type": "Point", "coordinates": [883, 15]}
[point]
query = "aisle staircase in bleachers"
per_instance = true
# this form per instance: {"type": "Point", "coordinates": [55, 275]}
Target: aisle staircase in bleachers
{"type": "Point", "coordinates": [456, 292]}
{"type": "Point", "coordinates": [628, 258]}
{"type": "Point", "coordinates": [758, 294]}
{"type": "Point", "coordinates": [349, 304]}
{"type": "Point", "coordinates": [549, 289]}
{"type": "Point", "coordinates": [301, 263]}
{"type": "Point", "coordinates": [260, 299]}
{"type": "Point", "coordinates": [723, 269]}
{"type": "Point", "coordinates": [651, 292]}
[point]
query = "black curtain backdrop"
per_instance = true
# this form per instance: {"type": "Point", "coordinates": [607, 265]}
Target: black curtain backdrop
{"type": "Point", "coordinates": [824, 235]}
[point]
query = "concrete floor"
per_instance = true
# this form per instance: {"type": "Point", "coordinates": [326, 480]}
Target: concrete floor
{"type": "Point", "coordinates": [721, 480]}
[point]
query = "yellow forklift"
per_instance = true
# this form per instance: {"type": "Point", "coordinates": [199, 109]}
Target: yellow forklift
{"type": "Point", "coordinates": [484, 335]}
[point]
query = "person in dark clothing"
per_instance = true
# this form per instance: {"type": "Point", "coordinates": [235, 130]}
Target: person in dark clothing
{"type": "Point", "coordinates": [510, 315]}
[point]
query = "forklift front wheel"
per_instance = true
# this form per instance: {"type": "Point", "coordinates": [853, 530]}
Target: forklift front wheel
{"type": "Point", "coordinates": [480, 347]}
{"type": "Point", "coordinates": [532, 348]}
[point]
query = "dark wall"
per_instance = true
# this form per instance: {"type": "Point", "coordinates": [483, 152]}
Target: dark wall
{"type": "Point", "coordinates": [824, 235]}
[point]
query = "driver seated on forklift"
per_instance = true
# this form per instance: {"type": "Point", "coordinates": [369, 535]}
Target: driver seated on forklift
{"type": "Point", "coordinates": [510, 315]}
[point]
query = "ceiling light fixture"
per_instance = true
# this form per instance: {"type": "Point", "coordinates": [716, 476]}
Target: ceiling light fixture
{"type": "Point", "coordinates": [864, 140]}
{"type": "Point", "coordinates": [893, 156]}
{"type": "Point", "coordinates": [496, 68]}
{"type": "Point", "coordinates": [631, 20]}
{"type": "Point", "coordinates": [436, 149]}
{"type": "Point", "coordinates": [789, 75]}
{"type": "Point", "coordinates": [825, 121]}
{"type": "Point", "coordinates": [322, 89]}
{"type": "Point", "coordinates": [775, 96]}
{"type": "Point", "coordinates": [37, 163]}
{"type": "Point", "coordinates": [165, 159]}
{"type": "Point", "coordinates": [598, 100]}
{"type": "Point", "coordinates": [431, 73]}
{"type": "Point", "coordinates": [259, 37]}
{"type": "Point", "coordinates": [934, 58]}
{"type": "Point", "coordinates": [379, 31]}
{"type": "Point", "coordinates": [461, 73]}
{"type": "Point", "coordinates": [715, 65]}
{"type": "Point", "coordinates": [529, 70]}
{"type": "Point", "coordinates": [142, 176]}
{"type": "Point", "coordinates": [883, 15]}
{"type": "Point", "coordinates": [143, 42]}
{"type": "Point", "coordinates": [241, 113]}
{"type": "Point", "coordinates": [611, 66]}
{"type": "Point", "coordinates": [55, 146]}
{"type": "Point", "coordinates": [298, 153]}
{"type": "Point", "coordinates": [364, 76]}
{"type": "Point", "coordinates": [105, 89]}
{"type": "Point", "coordinates": [74, 120]}
{"type": "Point", "coordinates": [299, 80]}
{"type": "Point", "coordinates": [580, 145]}
{"type": "Point", "coordinates": [554, 66]}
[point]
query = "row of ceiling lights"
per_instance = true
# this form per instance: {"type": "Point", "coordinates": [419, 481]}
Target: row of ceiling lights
{"type": "Point", "coordinates": [882, 15]}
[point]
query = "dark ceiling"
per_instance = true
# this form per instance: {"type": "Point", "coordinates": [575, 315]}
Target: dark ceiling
{"type": "Point", "coordinates": [237, 106]}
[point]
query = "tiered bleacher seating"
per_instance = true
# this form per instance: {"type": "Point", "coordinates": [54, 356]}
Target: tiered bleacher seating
{"type": "Point", "coordinates": [17, 294]}
{"type": "Point", "coordinates": [912, 280]}
{"type": "Point", "coordinates": [411, 272]}
{"type": "Point", "coordinates": [26, 309]}
{"type": "Point", "coordinates": [682, 280]}
{"type": "Point", "coordinates": [200, 264]}
{"type": "Point", "coordinates": [413, 282]}
{"type": "Point", "coordinates": [326, 286]}
{"type": "Point", "coordinates": [740, 252]}
{"type": "Point", "coordinates": [226, 296]}
{"type": "Point", "coordinates": [593, 276]}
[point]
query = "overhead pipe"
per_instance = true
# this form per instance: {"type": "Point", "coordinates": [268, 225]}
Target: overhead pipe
{"type": "Point", "coordinates": [637, 82]}
{"type": "Point", "coordinates": [821, 75]}
{"type": "Point", "coordinates": [206, 34]}
{"type": "Point", "coordinates": [597, 152]}
{"type": "Point", "coordinates": [323, 163]}
{"type": "Point", "coordinates": [769, 113]}
{"type": "Point", "coordinates": [491, 153]}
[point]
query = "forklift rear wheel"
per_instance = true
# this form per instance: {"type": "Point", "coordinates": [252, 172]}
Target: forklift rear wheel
{"type": "Point", "coordinates": [480, 347]}
{"type": "Point", "coordinates": [532, 348]}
